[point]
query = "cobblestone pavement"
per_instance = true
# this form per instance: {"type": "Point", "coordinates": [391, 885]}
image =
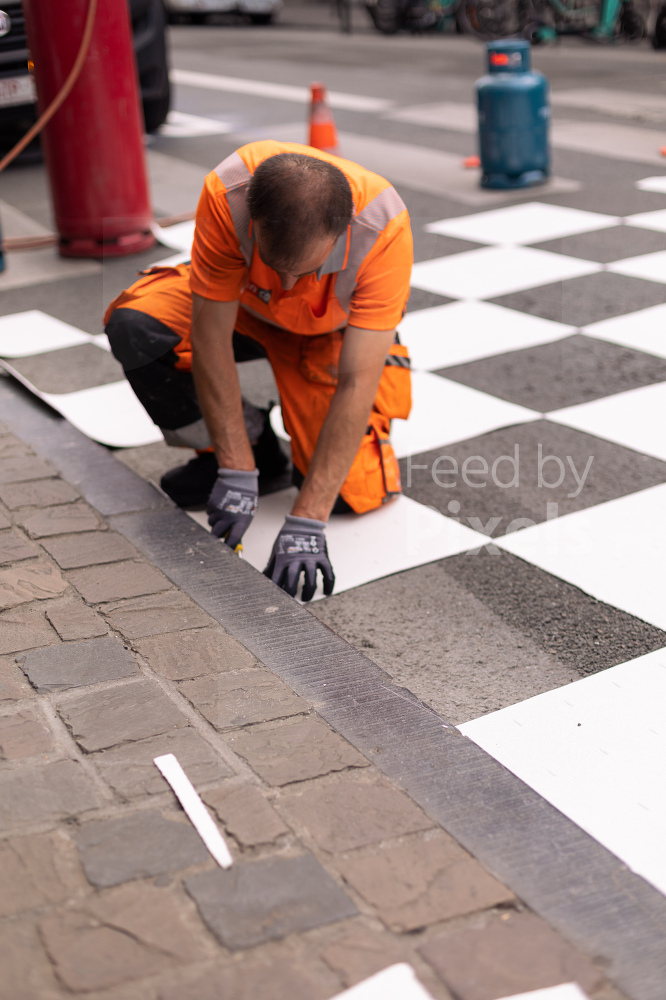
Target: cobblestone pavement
{"type": "Point", "coordinates": [108, 891]}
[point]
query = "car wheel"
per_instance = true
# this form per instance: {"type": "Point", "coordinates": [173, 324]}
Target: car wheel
{"type": "Point", "coordinates": [261, 18]}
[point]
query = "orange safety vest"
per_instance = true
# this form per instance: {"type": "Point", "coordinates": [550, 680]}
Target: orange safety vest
{"type": "Point", "coordinates": [365, 282]}
{"type": "Point", "coordinates": [305, 369]}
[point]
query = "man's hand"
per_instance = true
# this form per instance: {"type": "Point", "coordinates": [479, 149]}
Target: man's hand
{"type": "Point", "coordinates": [233, 504]}
{"type": "Point", "coordinates": [299, 548]}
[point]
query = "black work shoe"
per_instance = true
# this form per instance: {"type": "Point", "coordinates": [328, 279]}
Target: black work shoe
{"type": "Point", "coordinates": [190, 485]}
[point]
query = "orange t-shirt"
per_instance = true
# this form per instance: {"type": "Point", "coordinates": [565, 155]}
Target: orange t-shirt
{"type": "Point", "coordinates": [380, 287]}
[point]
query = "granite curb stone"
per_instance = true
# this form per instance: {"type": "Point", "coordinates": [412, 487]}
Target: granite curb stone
{"type": "Point", "coordinates": [294, 749]}
{"type": "Point", "coordinates": [136, 710]}
{"type": "Point", "coordinates": [39, 795]}
{"type": "Point", "coordinates": [130, 770]}
{"type": "Point", "coordinates": [510, 953]}
{"type": "Point", "coordinates": [77, 664]}
{"type": "Point", "coordinates": [421, 881]}
{"type": "Point", "coordinates": [238, 699]}
{"type": "Point", "coordinates": [88, 549]}
{"type": "Point", "coordinates": [246, 814]}
{"type": "Point", "coordinates": [268, 899]}
{"type": "Point", "coordinates": [185, 655]}
{"type": "Point", "coordinates": [137, 845]}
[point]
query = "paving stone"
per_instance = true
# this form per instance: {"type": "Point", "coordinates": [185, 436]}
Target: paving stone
{"type": "Point", "coordinates": [348, 813]}
{"type": "Point", "coordinates": [118, 936]}
{"type": "Point", "coordinates": [11, 446]}
{"type": "Point", "coordinates": [22, 469]}
{"type": "Point", "coordinates": [24, 735]}
{"type": "Point", "coordinates": [268, 899]}
{"type": "Point", "coordinates": [153, 615]}
{"type": "Point", "coordinates": [75, 620]}
{"type": "Point", "coordinates": [246, 814]}
{"type": "Point", "coordinates": [511, 953]}
{"type": "Point", "coordinates": [118, 580]}
{"type": "Point", "coordinates": [25, 629]}
{"type": "Point", "coordinates": [250, 978]}
{"type": "Point", "coordinates": [61, 520]}
{"type": "Point", "coordinates": [101, 719]}
{"type": "Point", "coordinates": [363, 953]}
{"type": "Point", "coordinates": [4, 520]}
{"type": "Point", "coordinates": [89, 549]}
{"type": "Point", "coordinates": [26, 972]}
{"type": "Point", "coordinates": [237, 699]}
{"type": "Point", "coordinates": [37, 871]}
{"type": "Point", "coordinates": [12, 686]}
{"type": "Point", "coordinates": [36, 581]}
{"type": "Point", "coordinates": [39, 493]}
{"type": "Point", "coordinates": [294, 750]}
{"type": "Point", "coordinates": [76, 664]}
{"type": "Point", "coordinates": [41, 794]}
{"type": "Point", "coordinates": [138, 845]}
{"type": "Point", "coordinates": [422, 881]}
{"type": "Point", "coordinates": [181, 656]}
{"type": "Point", "coordinates": [13, 548]}
{"type": "Point", "coordinates": [131, 772]}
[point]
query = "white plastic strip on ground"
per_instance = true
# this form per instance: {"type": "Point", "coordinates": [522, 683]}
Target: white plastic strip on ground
{"type": "Point", "coordinates": [532, 222]}
{"type": "Point", "coordinates": [178, 237]}
{"type": "Point", "coordinates": [110, 414]}
{"type": "Point", "coordinates": [34, 332]}
{"type": "Point", "coordinates": [657, 184]}
{"type": "Point", "coordinates": [277, 91]}
{"type": "Point", "coordinates": [567, 991]}
{"type": "Point", "coordinates": [615, 551]}
{"type": "Point", "coordinates": [398, 536]}
{"type": "Point", "coordinates": [642, 330]}
{"type": "Point", "coordinates": [596, 750]}
{"type": "Point", "coordinates": [635, 418]}
{"type": "Point", "coordinates": [493, 271]}
{"type": "Point", "coordinates": [459, 332]}
{"type": "Point", "coordinates": [398, 982]}
{"type": "Point", "coordinates": [194, 807]}
{"type": "Point", "coordinates": [179, 125]}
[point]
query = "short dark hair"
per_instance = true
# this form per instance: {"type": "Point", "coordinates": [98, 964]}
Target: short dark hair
{"type": "Point", "coordinates": [297, 199]}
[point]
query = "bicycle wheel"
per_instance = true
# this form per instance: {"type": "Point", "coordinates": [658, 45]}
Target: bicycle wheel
{"type": "Point", "coordinates": [385, 16]}
{"type": "Point", "coordinates": [489, 19]}
{"type": "Point", "coordinates": [632, 22]}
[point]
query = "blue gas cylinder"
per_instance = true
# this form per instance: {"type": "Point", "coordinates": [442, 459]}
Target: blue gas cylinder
{"type": "Point", "coordinates": [514, 115]}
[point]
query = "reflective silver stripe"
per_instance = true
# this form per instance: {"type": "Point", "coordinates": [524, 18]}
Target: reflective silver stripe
{"type": "Point", "coordinates": [191, 436]}
{"type": "Point", "coordinates": [365, 231]}
{"type": "Point", "coordinates": [396, 361]}
{"type": "Point", "coordinates": [336, 258]}
{"type": "Point", "coordinates": [235, 176]}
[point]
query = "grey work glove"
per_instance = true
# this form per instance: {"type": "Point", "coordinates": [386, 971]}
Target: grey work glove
{"type": "Point", "coordinates": [232, 504]}
{"type": "Point", "coordinates": [300, 548]}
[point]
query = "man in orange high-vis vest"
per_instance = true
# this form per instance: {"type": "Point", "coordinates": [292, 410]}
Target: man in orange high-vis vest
{"type": "Point", "coordinates": [303, 258]}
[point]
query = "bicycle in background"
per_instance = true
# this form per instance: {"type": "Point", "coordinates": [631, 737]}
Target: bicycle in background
{"type": "Point", "coordinates": [390, 16]}
{"type": "Point", "coordinates": [543, 21]}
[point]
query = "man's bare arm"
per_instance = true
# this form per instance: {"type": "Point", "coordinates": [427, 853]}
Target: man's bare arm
{"type": "Point", "coordinates": [361, 365]}
{"type": "Point", "coordinates": [216, 381]}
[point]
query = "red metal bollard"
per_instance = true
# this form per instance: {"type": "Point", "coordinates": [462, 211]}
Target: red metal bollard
{"type": "Point", "coordinates": [94, 143]}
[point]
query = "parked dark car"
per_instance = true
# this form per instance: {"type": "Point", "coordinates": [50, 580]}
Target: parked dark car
{"type": "Point", "coordinates": [17, 94]}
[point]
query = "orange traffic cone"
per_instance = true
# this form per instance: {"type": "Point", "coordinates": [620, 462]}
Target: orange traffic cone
{"type": "Point", "coordinates": [323, 133]}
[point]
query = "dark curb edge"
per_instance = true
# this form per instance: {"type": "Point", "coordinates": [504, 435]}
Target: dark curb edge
{"type": "Point", "coordinates": [561, 872]}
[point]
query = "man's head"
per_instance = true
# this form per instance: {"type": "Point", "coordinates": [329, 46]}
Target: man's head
{"type": "Point", "coordinates": [299, 206]}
